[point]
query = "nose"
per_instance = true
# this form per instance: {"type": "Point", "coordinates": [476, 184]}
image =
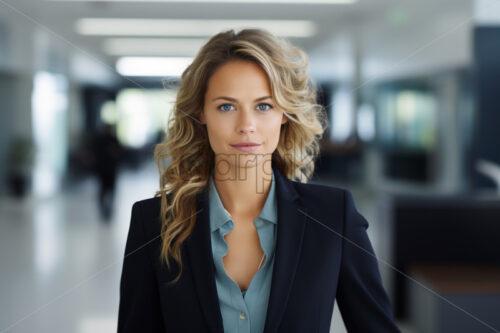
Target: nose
{"type": "Point", "coordinates": [246, 121]}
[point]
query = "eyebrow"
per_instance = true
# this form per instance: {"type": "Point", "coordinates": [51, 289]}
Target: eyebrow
{"type": "Point", "coordinates": [235, 100]}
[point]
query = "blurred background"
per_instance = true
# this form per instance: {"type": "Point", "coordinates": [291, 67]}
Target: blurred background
{"type": "Point", "coordinates": [410, 89]}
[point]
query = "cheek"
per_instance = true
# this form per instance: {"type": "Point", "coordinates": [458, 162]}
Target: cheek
{"type": "Point", "coordinates": [272, 128]}
{"type": "Point", "coordinates": [218, 130]}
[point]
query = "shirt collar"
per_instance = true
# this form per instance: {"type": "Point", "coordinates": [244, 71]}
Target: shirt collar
{"type": "Point", "coordinates": [219, 215]}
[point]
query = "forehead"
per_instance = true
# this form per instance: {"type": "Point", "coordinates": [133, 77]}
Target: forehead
{"type": "Point", "coordinates": [239, 77]}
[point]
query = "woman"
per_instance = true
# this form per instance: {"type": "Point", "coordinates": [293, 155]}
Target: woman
{"type": "Point", "coordinates": [235, 240]}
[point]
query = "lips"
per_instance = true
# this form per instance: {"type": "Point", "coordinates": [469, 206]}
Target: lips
{"type": "Point", "coordinates": [250, 144]}
{"type": "Point", "coordinates": [246, 146]}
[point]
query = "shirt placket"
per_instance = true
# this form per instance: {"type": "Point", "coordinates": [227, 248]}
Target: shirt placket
{"type": "Point", "coordinates": [239, 305]}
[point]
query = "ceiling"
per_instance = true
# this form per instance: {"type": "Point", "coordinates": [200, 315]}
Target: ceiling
{"type": "Point", "coordinates": [381, 29]}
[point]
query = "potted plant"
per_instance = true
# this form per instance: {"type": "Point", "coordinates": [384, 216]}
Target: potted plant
{"type": "Point", "coordinates": [20, 157]}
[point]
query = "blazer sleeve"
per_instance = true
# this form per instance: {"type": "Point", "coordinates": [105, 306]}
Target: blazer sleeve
{"type": "Point", "coordinates": [139, 306]}
{"type": "Point", "coordinates": [363, 302]}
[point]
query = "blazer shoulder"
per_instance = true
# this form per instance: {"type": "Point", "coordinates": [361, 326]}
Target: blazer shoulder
{"type": "Point", "coordinates": [147, 204]}
{"type": "Point", "coordinates": [149, 211]}
{"type": "Point", "coordinates": [328, 203]}
{"type": "Point", "coordinates": [320, 192]}
{"type": "Point", "coordinates": [322, 202]}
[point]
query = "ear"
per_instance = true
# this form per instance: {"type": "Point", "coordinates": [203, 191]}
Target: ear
{"type": "Point", "coordinates": [201, 117]}
{"type": "Point", "coordinates": [284, 120]}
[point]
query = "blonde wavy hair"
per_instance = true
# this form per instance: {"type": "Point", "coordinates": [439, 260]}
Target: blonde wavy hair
{"type": "Point", "coordinates": [186, 145]}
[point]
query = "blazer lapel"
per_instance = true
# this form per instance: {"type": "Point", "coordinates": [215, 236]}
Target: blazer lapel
{"type": "Point", "coordinates": [199, 249]}
{"type": "Point", "coordinates": [290, 229]}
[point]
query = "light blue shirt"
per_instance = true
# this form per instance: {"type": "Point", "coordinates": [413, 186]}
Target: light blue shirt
{"type": "Point", "coordinates": [243, 311]}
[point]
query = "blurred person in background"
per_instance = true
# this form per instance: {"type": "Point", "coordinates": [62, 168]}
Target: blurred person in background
{"type": "Point", "coordinates": [236, 240]}
{"type": "Point", "coordinates": [106, 152]}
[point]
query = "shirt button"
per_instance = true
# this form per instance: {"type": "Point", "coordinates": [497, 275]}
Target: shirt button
{"type": "Point", "coordinates": [243, 315]}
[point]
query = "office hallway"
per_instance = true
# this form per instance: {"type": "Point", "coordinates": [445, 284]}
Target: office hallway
{"type": "Point", "coordinates": [60, 263]}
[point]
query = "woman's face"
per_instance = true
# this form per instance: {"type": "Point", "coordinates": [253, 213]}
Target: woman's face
{"type": "Point", "coordinates": [239, 109]}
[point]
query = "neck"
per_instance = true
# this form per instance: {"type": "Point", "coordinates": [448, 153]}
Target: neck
{"type": "Point", "coordinates": [243, 191]}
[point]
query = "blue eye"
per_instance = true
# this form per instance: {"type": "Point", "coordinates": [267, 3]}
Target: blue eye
{"type": "Point", "coordinates": [270, 107]}
{"type": "Point", "coordinates": [224, 107]}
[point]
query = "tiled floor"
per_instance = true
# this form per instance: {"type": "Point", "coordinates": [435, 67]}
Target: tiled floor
{"type": "Point", "coordinates": [61, 265]}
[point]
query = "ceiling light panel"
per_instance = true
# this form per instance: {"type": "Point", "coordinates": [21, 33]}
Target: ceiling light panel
{"type": "Point", "coordinates": [152, 66]}
{"type": "Point", "coordinates": [152, 46]}
{"type": "Point", "coordinates": [180, 27]}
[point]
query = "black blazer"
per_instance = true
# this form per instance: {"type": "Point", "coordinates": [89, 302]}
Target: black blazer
{"type": "Point", "coordinates": [322, 253]}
